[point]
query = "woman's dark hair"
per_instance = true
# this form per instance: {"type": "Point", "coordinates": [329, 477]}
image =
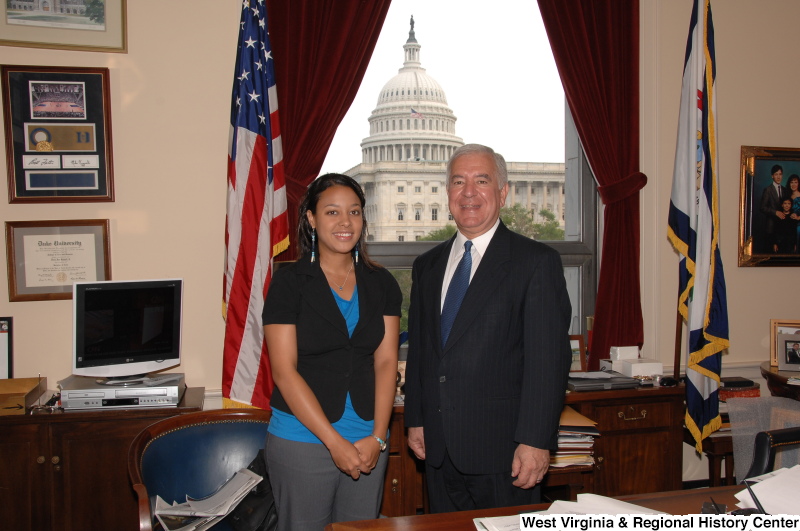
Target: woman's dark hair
{"type": "Point", "coordinates": [793, 177]}
{"type": "Point", "coordinates": [309, 203]}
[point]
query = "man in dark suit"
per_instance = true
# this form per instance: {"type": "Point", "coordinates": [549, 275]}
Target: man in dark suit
{"type": "Point", "coordinates": [771, 199]}
{"type": "Point", "coordinates": [793, 354]}
{"type": "Point", "coordinates": [483, 402]}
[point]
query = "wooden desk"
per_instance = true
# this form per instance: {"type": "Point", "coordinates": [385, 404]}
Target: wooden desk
{"type": "Point", "coordinates": [777, 381]}
{"type": "Point", "coordinates": [674, 502]}
{"type": "Point", "coordinates": [717, 447]}
{"type": "Point", "coordinates": [640, 448]}
{"type": "Point", "coordinates": [69, 470]}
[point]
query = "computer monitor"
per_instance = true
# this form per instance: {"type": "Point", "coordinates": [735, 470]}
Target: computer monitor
{"type": "Point", "coordinates": [124, 329]}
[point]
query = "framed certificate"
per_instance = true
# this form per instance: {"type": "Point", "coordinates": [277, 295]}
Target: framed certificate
{"type": "Point", "coordinates": [46, 257]}
{"type": "Point", "coordinates": [91, 26]}
{"type": "Point", "coordinates": [58, 134]}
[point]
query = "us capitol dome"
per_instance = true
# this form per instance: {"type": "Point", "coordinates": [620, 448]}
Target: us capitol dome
{"type": "Point", "coordinates": [412, 134]}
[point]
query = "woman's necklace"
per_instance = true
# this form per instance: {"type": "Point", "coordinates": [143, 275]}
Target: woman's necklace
{"type": "Point", "coordinates": [341, 286]}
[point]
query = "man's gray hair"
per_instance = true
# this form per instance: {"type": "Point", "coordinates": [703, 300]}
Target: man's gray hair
{"type": "Point", "coordinates": [500, 170]}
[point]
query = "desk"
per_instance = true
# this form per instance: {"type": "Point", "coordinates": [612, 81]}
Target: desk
{"type": "Point", "coordinates": [674, 502]}
{"type": "Point", "coordinates": [68, 471]}
{"type": "Point", "coordinates": [777, 381]}
{"type": "Point", "coordinates": [717, 447]}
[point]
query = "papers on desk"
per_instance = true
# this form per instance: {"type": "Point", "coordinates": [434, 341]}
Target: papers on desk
{"type": "Point", "coordinates": [586, 504]}
{"type": "Point", "coordinates": [777, 492]}
{"type": "Point", "coordinates": [576, 435]}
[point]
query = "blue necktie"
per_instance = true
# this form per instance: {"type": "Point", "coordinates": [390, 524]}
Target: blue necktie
{"type": "Point", "coordinates": [455, 291]}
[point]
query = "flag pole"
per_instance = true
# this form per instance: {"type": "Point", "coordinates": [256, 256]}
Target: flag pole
{"type": "Point", "coordinates": [676, 371]}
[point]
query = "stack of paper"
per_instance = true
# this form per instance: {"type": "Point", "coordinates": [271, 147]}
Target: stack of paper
{"type": "Point", "coordinates": [576, 435]}
{"type": "Point", "coordinates": [196, 515]}
{"type": "Point", "coordinates": [777, 491]}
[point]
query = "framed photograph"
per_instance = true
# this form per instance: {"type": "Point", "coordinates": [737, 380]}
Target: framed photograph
{"type": "Point", "coordinates": [6, 348]}
{"type": "Point", "coordinates": [789, 353]}
{"type": "Point", "coordinates": [58, 134]}
{"type": "Point", "coordinates": [778, 327]}
{"type": "Point", "coordinates": [87, 25]}
{"type": "Point", "coordinates": [46, 257]}
{"type": "Point", "coordinates": [769, 206]}
{"type": "Point", "coordinates": [579, 362]}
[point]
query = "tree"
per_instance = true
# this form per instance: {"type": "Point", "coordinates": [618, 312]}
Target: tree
{"type": "Point", "coordinates": [96, 11]}
{"type": "Point", "coordinates": [440, 235]}
{"type": "Point", "coordinates": [520, 220]}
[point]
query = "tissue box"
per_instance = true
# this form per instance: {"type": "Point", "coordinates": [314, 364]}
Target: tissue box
{"type": "Point", "coordinates": [641, 367]}
{"type": "Point", "coordinates": [611, 365]}
{"type": "Point", "coordinates": [624, 353]}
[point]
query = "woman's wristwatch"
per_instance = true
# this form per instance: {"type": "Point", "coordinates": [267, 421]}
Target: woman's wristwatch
{"type": "Point", "coordinates": [380, 441]}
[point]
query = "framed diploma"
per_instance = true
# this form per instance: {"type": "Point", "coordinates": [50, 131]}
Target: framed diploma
{"type": "Point", "coordinates": [6, 348]}
{"type": "Point", "coordinates": [58, 134]}
{"type": "Point", "coordinates": [46, 257]}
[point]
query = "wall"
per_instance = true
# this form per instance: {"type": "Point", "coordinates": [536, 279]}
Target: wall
{"type": "Point", "coordinates": [170, 100]}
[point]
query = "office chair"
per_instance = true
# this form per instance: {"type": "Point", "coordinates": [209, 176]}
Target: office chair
{"type": "Point", "coordinates": [192, 454]}
{"type": "Point", "coordinates": [767, 443]}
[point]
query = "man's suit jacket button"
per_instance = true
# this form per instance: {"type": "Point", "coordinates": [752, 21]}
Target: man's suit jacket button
{"type": "Point", "coordinates": [442, 379]}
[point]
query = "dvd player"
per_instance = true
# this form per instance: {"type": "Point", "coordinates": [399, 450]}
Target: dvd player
{"type": "Point", "coordinates": [158, 390]}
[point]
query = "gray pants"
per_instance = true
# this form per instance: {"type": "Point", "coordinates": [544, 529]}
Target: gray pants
{"type": "Point", "coordinates": [310, 492]}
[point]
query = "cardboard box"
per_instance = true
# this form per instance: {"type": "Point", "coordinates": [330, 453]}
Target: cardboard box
{"type": "Point", "coordinates": [17, 395]}
{"type": "Point", "coordinates": [611, 365]}
{"type": "Point", "coordinates": [624, 353]}
{"type": "Point", "coordinates": [642, 367]}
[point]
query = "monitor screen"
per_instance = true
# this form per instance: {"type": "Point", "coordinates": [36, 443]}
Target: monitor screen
{"type": "Point", "coordinates": [126, 328]}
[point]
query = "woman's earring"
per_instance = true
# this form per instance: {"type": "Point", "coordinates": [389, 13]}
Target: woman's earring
{"type": "Point", "coordinates": [313, 244]}
{"type": "Point", "coordinates": [356, 253]}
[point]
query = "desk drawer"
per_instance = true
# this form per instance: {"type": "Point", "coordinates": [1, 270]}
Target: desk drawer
{"type": "Point", "coordinates": [632, 416]}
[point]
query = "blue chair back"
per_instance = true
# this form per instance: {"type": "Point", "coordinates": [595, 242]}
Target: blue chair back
{"type": "Point", "coordinates": [194, 454]}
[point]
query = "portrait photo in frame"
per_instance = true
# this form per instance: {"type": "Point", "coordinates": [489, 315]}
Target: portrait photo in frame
{"type": "Point", "coordinates": [97, 27]}
{"type": "Point", "coordinates": [778, 327]}
{"type": "Point", "coordinates": [768, 234]}
{"type": "Point", "coordinates": [789, 352]}
{"type": "Point", "coordinates": [579, 362]}
{"type": "Point", "coordinates": [58, 134]}
{"type": "Point", "coordinates": [46, 257]}
{"type": "Point", "coordinates": [6, 348]}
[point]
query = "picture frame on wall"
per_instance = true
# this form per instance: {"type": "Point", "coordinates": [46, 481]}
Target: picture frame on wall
{"type": "Point", "coordinates": [46, 257]}
{"type": "Point", "coordinates": [6, 348]}
{"type": "Point", "coordinates": [86, 26]}
{"type": "Point", "coordinates": [768, 236]}
{"type": "Point", "coordinates": [579, 361]}
{"type": "Point", "coordinates": [789, 352]}
{"type": "Point", "coordinates": [778, 328]}
{"type": "Point", "coordinates": [57, 124]}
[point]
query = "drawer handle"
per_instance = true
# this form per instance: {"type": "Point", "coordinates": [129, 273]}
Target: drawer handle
{"type": "Point", "coordinates": [621, 415]}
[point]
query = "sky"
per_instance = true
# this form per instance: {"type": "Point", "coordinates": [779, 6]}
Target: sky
{"type": "Point", "coordinates": [494, 65]}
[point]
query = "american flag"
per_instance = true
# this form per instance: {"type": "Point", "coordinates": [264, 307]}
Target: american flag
{"type": "Point", "coordinates": [416, 114]}
{"type": "Point", "coordinates": [694, 228]}
{"type": "Point", "coordinates": [257, 224]}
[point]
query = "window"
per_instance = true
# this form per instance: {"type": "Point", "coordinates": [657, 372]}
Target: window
{"type": "Point", "coordinates": [401, 238]}
{"type": "Point", "coordinates": [417, 215]}
{"type": "Point", "coordinates": [401, 189]}
{"type": "Point", "coordinates": [417, 189]}
{"type": "Point", "coordinates": [434, 189]}
{"type": "Point", "coordinates": [434, 214]}
{"type": "Point", "coordinates": [399, 215]}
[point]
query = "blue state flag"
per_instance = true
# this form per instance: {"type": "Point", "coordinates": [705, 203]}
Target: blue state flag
{"type": "Point", "coordinates": [694, 228]}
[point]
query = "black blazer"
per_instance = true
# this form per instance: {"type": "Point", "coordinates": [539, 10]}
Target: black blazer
{"type": "Point", "coordinates": [501, 378]}
{"type": "Point", "coordinates": [331, 362]}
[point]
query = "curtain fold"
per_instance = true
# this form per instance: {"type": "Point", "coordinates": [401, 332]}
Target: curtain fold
{"type": "Point", "coordinates": [596, 48]}
{"type": "Point", "coordinates": [321, 50]}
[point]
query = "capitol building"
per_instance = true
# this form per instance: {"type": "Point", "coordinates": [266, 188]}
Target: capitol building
{"type": "Point", "coordinates": [412, 134]}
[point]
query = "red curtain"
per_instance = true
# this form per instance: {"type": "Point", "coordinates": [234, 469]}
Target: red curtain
{"type": "Point", "coordinates": [596, 48]}
{"type": "Point", "coordinates": [321, 50]}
